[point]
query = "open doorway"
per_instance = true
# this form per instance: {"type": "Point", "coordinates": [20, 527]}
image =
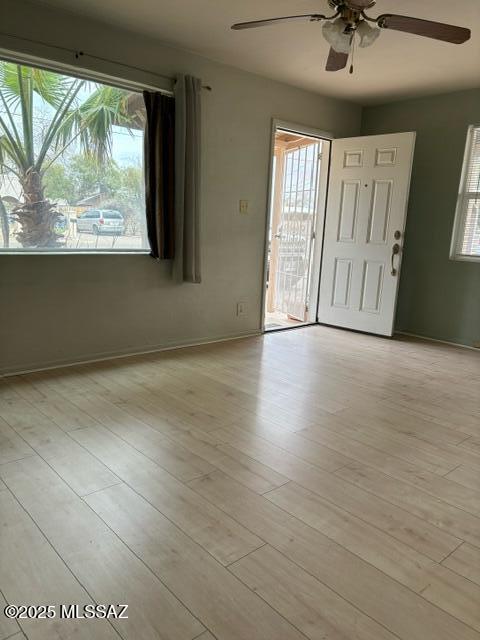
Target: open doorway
{"type": "Point", "coordinates": [297, 202]}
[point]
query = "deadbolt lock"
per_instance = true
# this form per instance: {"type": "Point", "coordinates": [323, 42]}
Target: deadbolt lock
{"type": "Point", "coordinates": [397, 235]}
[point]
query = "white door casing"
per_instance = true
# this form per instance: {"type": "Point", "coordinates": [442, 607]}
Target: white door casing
{"type": "Point", "coordinates": [365, 217]}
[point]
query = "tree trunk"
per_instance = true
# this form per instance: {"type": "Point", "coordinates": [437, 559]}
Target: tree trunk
{"type": "Point", "coordinates": [37, 216]}
{"type": "Point", "coordinates": [4, 224]}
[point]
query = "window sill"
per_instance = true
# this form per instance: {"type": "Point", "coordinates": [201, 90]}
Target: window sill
{"type": "Point", "coordinates": [461, 258]}
{"type": "Point", "coordinates": [77, 252]}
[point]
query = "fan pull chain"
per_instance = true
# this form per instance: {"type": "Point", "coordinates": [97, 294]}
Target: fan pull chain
{"type": "Point", "coordinates": [353, 55]}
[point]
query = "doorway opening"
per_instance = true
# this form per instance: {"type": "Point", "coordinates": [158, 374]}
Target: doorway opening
{"type": "Point", "coordinates": [294, 239]}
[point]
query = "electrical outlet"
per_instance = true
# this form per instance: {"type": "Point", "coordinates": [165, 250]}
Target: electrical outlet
{"type": "Point", "coordinates": [243, 206]}
{"type": "Point", "coordinates": [241, 309]}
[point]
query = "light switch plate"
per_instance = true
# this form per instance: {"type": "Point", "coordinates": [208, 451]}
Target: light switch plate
{"type": "Point", "coordinates": [241, 309]}
{"type": "Point", "coordinates": [243, 206]}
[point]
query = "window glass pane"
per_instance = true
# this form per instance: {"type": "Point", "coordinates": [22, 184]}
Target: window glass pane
{"type": "Point", "coordinates": [473, 176]}
{"type": "Point", "coordinates": [71, 163]}
{"type": "Point", "coordinates": [471, 228]}
{"type": "Point", "coordinates": [466, 241]}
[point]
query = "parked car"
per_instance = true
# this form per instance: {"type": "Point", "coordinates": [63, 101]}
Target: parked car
{"type": "Point", "coordinates": [101, 221]}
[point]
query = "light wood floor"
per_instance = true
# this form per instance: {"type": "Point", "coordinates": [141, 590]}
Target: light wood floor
{"type": "Point", "coordinates": [309, 484]}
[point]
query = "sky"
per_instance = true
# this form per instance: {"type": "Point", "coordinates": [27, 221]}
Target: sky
{"type": "Point", "coordinates": [127, 148]}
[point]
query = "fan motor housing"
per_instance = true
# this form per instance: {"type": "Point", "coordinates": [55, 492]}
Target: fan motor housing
{"type": "Point", "coordinates": [350, 16]}
{"type": "Point", "coordinates": [341, 5]}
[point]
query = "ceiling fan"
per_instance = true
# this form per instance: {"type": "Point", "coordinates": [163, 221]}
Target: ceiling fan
{"type": "Point", "coordinates": [349, 19]}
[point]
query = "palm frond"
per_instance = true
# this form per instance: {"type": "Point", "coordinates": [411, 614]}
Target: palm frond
{"type": "Point", "coordinates": [92, 122]}
{"type": "Point", "coordinates": [10, 148]}
{"type": "Point", "coordinates": [25, 88]}
{"type": "Point", "coordinates": [13, 126]}
{"type": "Point", "coordinates": [9, 84]}
{"type": "Point", "coordinates": [102, 110]}
{"type": "Point", "coordinates": [51, 87]}
{"type": "Point", "coordinates": [57, 130]}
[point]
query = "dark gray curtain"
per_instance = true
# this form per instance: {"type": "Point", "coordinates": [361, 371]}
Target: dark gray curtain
{"type": "Point", "coordinates": [160, 173]}
{"type": "Point", "coordinates": [187, 179]}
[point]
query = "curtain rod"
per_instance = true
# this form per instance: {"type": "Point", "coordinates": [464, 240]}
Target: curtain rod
{"type": "Point", "coordinates": [79, 54]}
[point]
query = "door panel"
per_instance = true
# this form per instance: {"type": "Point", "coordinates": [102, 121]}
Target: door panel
{"type": "Point", "coordinates": [366, 214]}
{"type": "Point", "coordinates": [372, 280]}
{"type": "Point", "coordinates": [341, 283]}
{"type": "Point", "coordinates": [379, 211]}
{"type": "Point", "coordinates": [348, 211]}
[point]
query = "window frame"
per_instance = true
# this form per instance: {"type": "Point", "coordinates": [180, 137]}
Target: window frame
{"type": "Point", "coordinates": [463, 197]}
{"type": "Point", "coordinates": [92, 76]}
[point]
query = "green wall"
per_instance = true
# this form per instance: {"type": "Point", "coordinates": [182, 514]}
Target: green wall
{"type": "Point", "coordinates": [439, 297]}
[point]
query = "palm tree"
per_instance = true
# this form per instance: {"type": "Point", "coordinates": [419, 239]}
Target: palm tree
{"type": "Point", "coordinates": [73, 115]}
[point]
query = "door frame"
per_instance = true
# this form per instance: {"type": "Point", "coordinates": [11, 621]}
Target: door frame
{"type": "Point", "coordinates": [320, 213]}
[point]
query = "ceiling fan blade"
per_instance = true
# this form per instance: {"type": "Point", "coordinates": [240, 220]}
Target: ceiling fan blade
{"type": "Point", "coordinates": [427, 28]}
{"type": "Point", "coordinates": [336, 60]}
{"type": "Point", "coordinates": [312, 17]}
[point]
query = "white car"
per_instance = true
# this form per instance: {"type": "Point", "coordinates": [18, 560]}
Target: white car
{"type": "Point", "coordinates": [101, 221]}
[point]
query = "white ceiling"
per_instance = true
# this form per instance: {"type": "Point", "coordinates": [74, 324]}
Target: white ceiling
{"type": "Point", "coordinates": [397, 65]}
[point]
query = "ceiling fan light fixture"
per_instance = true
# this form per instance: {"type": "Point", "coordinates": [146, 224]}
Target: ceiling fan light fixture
{"type": "Point", "coordinates": [334, 34]}
{"type": "Point", "coordinates": [367, 34]}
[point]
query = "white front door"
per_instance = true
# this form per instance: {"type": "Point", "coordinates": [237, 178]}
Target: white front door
{"type": "Point", "coordinates": [364, 229]}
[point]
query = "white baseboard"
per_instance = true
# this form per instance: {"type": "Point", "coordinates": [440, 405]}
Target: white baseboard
{"type": "Point", "coordinates": [451, 344]}
{"type": "Point", "coordinates": [114, 355]}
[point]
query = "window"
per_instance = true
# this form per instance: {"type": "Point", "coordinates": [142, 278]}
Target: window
{"type": "Point", "coordinates": [466, 235]}
{"type": "Point", "coordinates": [71, 164]}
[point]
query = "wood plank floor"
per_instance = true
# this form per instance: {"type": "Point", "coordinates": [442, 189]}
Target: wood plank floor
{"type": "Point", "coordinates": [313, 484]}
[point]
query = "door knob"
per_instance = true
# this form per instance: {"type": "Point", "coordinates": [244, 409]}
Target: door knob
{"type": "Point", "coordinates": [395, 251]}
